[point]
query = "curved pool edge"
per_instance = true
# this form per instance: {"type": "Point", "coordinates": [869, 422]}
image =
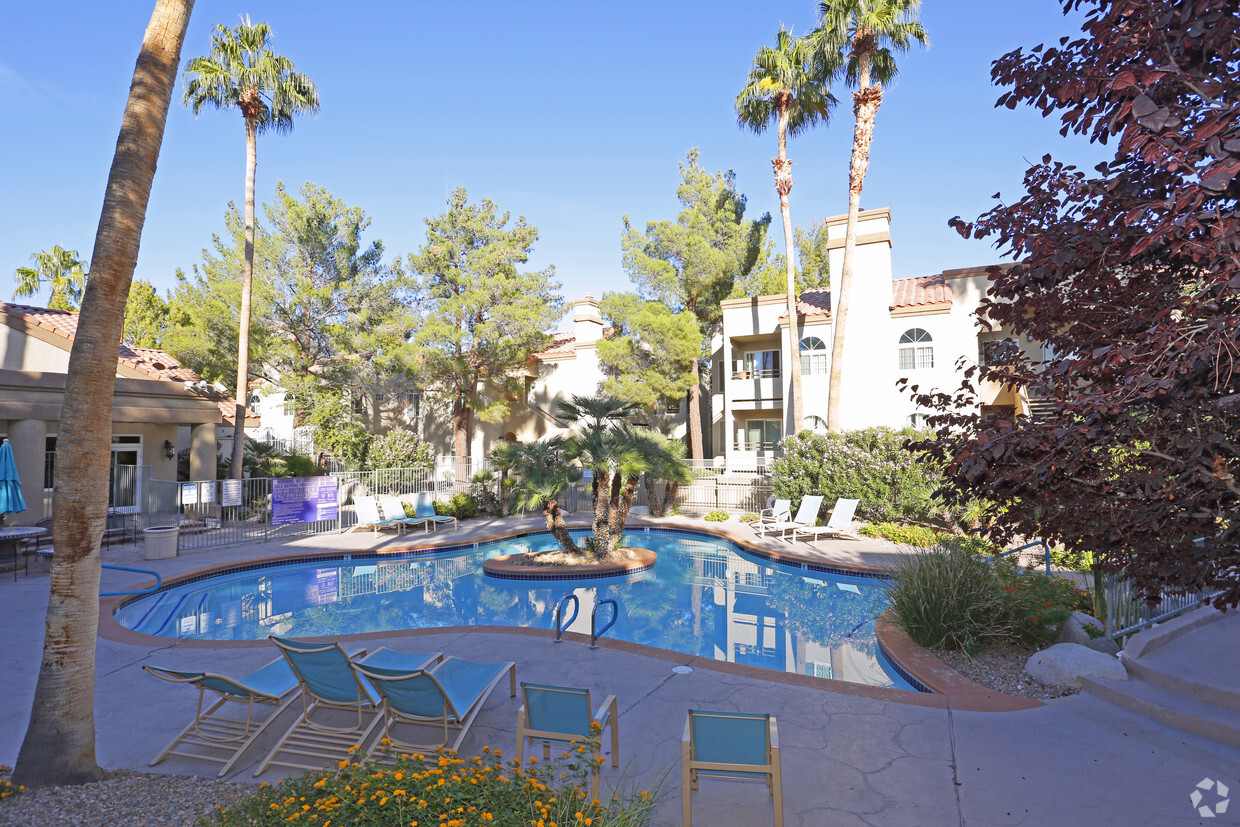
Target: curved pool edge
{"type": "Point", "coordinates": [945, 691]}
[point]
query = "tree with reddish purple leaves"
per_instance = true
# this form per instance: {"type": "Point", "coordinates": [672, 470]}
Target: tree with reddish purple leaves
{"type": "Point", "coordinates": [1130, 276]}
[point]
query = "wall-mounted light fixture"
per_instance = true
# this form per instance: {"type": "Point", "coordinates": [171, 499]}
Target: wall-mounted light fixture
{"type": "Point", "coordinates": [170, 450]}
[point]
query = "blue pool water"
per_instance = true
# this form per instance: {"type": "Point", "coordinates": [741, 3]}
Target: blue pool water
{"type": "Point", "coordinates": [704, 597]}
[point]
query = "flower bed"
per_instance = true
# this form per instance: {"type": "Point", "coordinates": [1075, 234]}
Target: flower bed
{"type": "Point", "coordinates": [445, 791]}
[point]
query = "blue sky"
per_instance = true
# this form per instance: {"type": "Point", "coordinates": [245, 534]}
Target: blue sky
{"type": "Point", "coordinates": [570, 113]}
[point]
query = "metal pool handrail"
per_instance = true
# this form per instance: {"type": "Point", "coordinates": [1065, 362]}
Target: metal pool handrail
{"type": "Point", "coordinates": [159, 581]}
{"type": "Point", "coordinates": [1042, 543]}
{"type": "Point", "coordinates": [615, 615]}
{"type": "Point", "coordinates": [559, 613]}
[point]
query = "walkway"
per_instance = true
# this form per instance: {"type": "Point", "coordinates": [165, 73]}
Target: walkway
{"type": "Point", "coordinates": [848, 758]}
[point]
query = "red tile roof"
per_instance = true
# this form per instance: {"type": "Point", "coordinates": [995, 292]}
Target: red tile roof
{"type": "Point", "coordinates": [919, 291]}
{"type": "Point", "coordinates": [560, 343]}
{"type": "Point", "coordinates": [566, 343]}
{"type": "Point", "coordinates": [157, 364]}
{"type": "Point", "coordinates": [915, 292]}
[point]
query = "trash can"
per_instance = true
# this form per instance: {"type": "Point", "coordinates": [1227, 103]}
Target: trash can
{"type": "Point", "coordinates": [160, 542]}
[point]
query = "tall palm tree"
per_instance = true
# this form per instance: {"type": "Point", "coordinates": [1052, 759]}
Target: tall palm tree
{"type": "Point", "coordinates": [59, 746]}
{"type": "Point", "coordinates": [869, 33]}
{"type": "Point", "coordinates": [242, 72]}
{"type": "Point", "coordinates": [788, 86]}
{"type": "Point", "coordinates": [61, 270]}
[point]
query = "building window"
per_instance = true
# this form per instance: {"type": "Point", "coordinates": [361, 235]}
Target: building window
{"type": "Point", "coordinates": [413, 406]}
{"type": "Point", "coordinates": [815, 423]}
{"type": "Point", "coordinates": [813, 356]}
{"type": "Point", "coordinates": [916, 350]}
{"type": "Point", "coordinates": [762, 364]}
{"type": "Point", "coordinates": [359, 404]}
{"type": "Point", "coordinates": [918, 421]}
{"type": "Point", "coordinates": [290, 405]}
{"type": "Point", "coordinates": [761, 435]}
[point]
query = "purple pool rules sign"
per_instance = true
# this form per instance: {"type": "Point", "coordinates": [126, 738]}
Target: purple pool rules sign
{"type": "Point", "coordinates": [303, 500]}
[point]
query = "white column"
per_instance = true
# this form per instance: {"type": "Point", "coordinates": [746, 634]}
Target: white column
{"type": "Point", "coordinates": [28, 438]}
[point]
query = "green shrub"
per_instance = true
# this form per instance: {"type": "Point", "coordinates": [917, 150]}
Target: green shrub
{"type": "Point", "coordinates": [870, 465]}
{"type": "Point", "coordinates": [748, 517]}
{"type": "Point", "coordinates": [1037, 604]}
{"type": "Point", "coordinates": [905, 535]}
{"type": "Point", "coordinates": [717, 516]}
{"type": "Point", "coordinates": [400, 449]}
{"type": "Point", "coordinates": [442, 789]}
{"type": "Point", "coordinates": [951, 597]}
{"type": "Point", "coordinates": [463, 506]}
{"type": "Point", "coordinates": [948, 598]}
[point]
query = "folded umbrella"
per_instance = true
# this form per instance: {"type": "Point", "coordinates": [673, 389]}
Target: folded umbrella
{"type": "Point", "coordinates": [11, 500]}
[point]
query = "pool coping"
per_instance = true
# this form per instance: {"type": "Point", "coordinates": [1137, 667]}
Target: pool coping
{"type": "Point", "coordinates": [948, 689]}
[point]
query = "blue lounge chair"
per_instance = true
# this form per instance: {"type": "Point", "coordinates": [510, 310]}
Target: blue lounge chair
{"type": "Point", "coordinates": [394, 510]}
{"type": "Point", "coordinates": [219, 738]}
{"type": "Point", "coordinates": [564, 715]}
{"type": "Point", "coordinates": [424, 508]}
{"type": "Point", "coordinates": [330, 689]}
{"type": "Point", "coordinates": [730, 745]}
{"type": "Point", "coordinates": [448, 697]}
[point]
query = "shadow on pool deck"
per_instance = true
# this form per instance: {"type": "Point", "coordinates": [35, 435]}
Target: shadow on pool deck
{"type": "Point", "coordinates": [848, 758]}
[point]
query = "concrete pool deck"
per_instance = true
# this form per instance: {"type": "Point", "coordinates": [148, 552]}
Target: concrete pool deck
{"type": "Point", "coordinates": [848, 757]}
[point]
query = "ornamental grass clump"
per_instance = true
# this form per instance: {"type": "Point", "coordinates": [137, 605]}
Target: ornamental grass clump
{"type": "Point", "coordinates": [949, 598]}
{"type": "Point", "coordinates": [442, 790]}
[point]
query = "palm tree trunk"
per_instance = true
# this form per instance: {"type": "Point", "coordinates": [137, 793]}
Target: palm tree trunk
{"type": "Point", "coordinates": [243, 320]}
{"type": "Point", "coordinates": [602, 513]}
{"type": "Point", "coordinates": [652, 495]}
{"type": "Point", "coordinates": [59, 746]}
{"type": "Point", "coordinates": [621, 513]}
{"type": "Point", "coordinates": [554, 519]}
{"type": "Point", "coordinates": [783, 185]}
{"type": "Point", "coordinates": [865, 107]}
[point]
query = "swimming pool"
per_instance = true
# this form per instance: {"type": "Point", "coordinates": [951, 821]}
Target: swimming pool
{"type": "Point", "coordinates": [704, 597]}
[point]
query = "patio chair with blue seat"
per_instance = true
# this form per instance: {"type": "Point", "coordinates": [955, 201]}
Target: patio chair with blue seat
{"type": "Point", "coordinates": [331, 688]}
{"type": "Point", "coordinates": [219, 738]}
{"type": "Point", "coordinates": [394, 509]}
{"type": "Point", "coordinates": [839, 524]}
{"type": "Point", "coordinates": [565, 715]}
{"type": "Point", "coordinates": [424, 508]}
{"type": "Point", "coordinates": [807, 515]}
{"type": "Point", "coordinates": [367, 511]}
{"type": "Point", "coordinates": [741, 745]}
{"type": "Point", "coordinates": [780, 511]}
{"type": "Point", "coordinates": [448, 698]}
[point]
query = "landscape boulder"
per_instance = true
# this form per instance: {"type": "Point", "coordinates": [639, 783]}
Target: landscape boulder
{"type": "Point", "coordinates": [1073, 629]}
{"type": "Point", "coordinates": [1064, 664]}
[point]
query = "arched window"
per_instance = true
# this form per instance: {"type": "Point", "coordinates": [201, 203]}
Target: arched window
{"type": "Point", "coordinates": [916, 350]}
{"type": "Point", "coordinates": [815, 423]}
{"type": "Point", "coordinates": [813, 356]}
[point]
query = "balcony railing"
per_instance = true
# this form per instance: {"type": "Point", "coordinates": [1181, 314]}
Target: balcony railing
{"type": "Point", "coordinates": [765, 373]}
{"type": "Point", "coordinates": [744, 445]}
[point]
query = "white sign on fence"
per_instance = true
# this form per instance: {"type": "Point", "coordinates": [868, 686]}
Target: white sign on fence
{"type": "Point", "coordinates": [232, 492]}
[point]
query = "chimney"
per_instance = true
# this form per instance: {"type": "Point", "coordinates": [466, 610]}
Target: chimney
{"type": "Point", "coordinates": [587, 322]}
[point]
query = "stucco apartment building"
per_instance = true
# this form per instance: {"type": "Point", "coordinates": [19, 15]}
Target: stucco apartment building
{"type": "Point", "coordinates": [159, 407]}
{"type": "Point", "coordinates": [920, 328]}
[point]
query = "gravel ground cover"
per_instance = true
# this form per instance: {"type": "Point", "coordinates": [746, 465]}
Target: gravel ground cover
{"type": "Point", "coordinates": [1003, 668]}
{"type": "Point", "coordinates": [125, 797]}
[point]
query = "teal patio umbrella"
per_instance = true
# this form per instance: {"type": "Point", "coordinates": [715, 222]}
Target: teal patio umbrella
{"type": "Point", "coordinates": [11, 500]}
